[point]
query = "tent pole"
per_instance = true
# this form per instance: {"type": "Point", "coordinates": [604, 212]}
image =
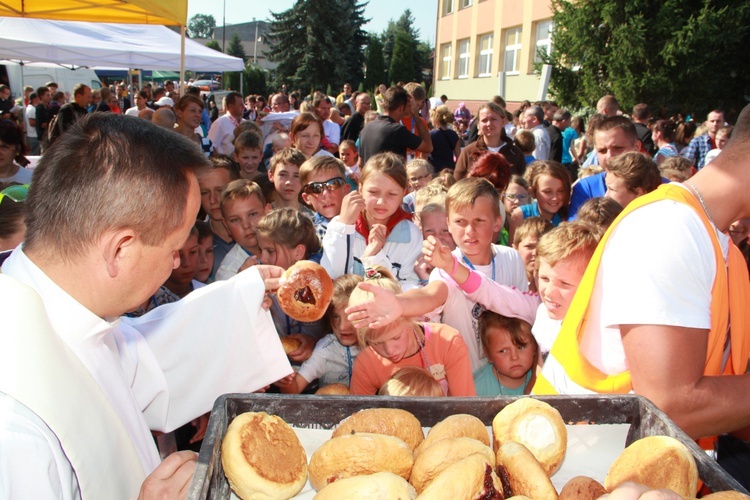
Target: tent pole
{"type": "Point", "coordinates": [182, 60]}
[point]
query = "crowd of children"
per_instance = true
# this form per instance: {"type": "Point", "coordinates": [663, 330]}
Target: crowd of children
{"type": "Point", "coordinates": [442, 287]}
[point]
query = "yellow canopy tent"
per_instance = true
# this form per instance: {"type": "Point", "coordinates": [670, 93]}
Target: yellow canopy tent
{"type": "Point", "coordinates": [166, 12]}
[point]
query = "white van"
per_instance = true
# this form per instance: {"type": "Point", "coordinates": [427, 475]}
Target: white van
{"type": "Point", "coordinates": [37, 76]}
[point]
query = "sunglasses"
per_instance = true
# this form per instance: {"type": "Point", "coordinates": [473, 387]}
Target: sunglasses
{"type": "Point", "coordinates": [320, 187]}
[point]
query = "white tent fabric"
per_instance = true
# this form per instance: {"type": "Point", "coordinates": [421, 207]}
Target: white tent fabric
{"type": "Point", "coordinates": [70, 43]}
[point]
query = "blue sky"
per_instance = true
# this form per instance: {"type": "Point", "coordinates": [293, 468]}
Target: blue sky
{"type": "Point", "coordinates": [380, 11]}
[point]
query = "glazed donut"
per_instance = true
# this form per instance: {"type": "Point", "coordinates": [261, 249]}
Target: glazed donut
{"type": "Point", "coordinates": [306, 291]}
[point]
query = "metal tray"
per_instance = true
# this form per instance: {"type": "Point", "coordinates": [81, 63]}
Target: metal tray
{"type": "Point", "coordinates": [326, 412]}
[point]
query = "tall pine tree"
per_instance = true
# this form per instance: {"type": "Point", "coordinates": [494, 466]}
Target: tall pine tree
{"type": "Point", "coordinates": [402, 60]}
{"type": "Point", "coordinates": [376, 71]}
{"type": "Point", "coordinates": [315, 49]}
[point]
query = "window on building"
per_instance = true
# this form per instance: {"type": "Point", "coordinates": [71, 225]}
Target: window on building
{"type": "Point", "coordinates": [512, 51]}
{"type": "Point", "coordinates": [463, 59]}
{"type": "Point", "coordinates": [485, 55]}
{"type": "Point", "coordinates": [543, 40]}
{"type": "Point", "coordinates": [466, 3]}
{"type": "Point", "coordinates": [447, 7]}
{"type": "Point", "coordinates": [445, 70]}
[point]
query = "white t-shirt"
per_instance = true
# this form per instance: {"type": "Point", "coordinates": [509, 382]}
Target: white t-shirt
{"type": "Point", "coordinates": [658, 269]}
{"type": "Point", "coordinates": [333, 132]}
{"type": "Point", "coordinates": [132, 111]}
{"type": "Point", "coordinates": [462, 314]}
{"type": "Point", "coordinates": [30, 115]}
{"type": "Point", "coordinates": [545, 330]}
{"type": "Point", "coordinates": [23, 176]}
{"type": "Point", "coordinates": [330, 362]}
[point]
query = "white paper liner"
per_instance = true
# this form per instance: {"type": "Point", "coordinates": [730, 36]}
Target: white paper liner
{"type": "Point", "coordinates": [591, 450]}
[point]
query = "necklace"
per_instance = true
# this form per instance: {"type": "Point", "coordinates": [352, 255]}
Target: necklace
{"type": "Point", "coordinates": [703, 203]}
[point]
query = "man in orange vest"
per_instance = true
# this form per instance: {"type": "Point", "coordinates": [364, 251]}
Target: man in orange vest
{"type": "Point", "coordinates": [651, 314]}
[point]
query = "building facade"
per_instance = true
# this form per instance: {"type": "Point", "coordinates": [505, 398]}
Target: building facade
{"type": "Point", "coordinates": [491, 47]}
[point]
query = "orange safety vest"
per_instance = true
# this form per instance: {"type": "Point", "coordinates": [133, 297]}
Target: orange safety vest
{"type": "Point", "coordinates": [729, 296]}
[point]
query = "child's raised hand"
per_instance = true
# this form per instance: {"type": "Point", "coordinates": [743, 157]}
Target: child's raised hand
{"type": "Point", "coordinates": [249, 262]}
{"type": "Point", "coordinates": [351, 206]}
{"type": "Point", "coordinates": [423, 268]}
{"type": "Point", "coordinates": [437, 254]}
{"type": "Point", "coordinates": [376, 240]}
{"type": "Point", "coordinates": [381, 310]}
{"type": "Point", "coordinates": [304, 351]}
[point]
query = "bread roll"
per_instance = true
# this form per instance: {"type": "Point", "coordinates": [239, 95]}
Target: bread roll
{"type": "Point", "coordinates": [469, 478]}
{"type": "Point", "coordinates": [306, 291]}
{"type": "Point", "coordinates": [263, 458]}
{"type": "Point", "coordinates": [726, 495]}
{"type": "Point", "coordinates": [381, 485]}
{"type": "Point", "coordinates": [657, 462]}
{"type": "Point", "coordinates": [290, 344]}
{"type": "Point", "coordinates": [523, 473]}
{"type": "Point", "coordinates": [359, 454]}
{"type": "Point", "coordinates": [537, 426]}
{"type": "Point", "coordinates": [388, 421]}
{"type": "Point", "coordinates": [439, 456]}
{"type": "Point", "coordinates": [460, 425]}
{"type": "Point", "coordinates": [582, 488]}
{"type": "Point", "coordinates": [334, 390]}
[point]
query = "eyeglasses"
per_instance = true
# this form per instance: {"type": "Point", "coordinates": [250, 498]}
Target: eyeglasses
{"type": "Point", "coordinates": [516, 197]}
{"type": "Point", "coordinates": [320, 187]}
{"type": "Point", "coordinates": [16, 193]}
{"type": "Point", "coordinates": [416, 179]}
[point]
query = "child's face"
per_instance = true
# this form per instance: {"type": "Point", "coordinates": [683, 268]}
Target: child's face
{"type": "Point", "coordinates": [395, 343]}
{"type": "Point", "coordinates": [285, 179]}
{"type": "Point", "coordinates": [473, 227]}
{"type": "Point", "coordinates": [241, 216]}
{"type": "Point", "coordinates": [342, 327]}
{"type": "Point", "coordinates": [348, 155]}
{"type": "Point", "coordinates": [418, 177]}
{"type": "Point", "coordinates": [328, 203]}
{"type": "Point", "coordinates": [527, 249]}
{"type": "Point", "coordinates": [511, 361]}
{"type": "Point", "coordinates": [248, 159]}
{"type": "Point", "coordinates": [185, 272]}
{"type": "Point", "coordinates": [618, 191]}
{"type": "Point", "coordinates": [515, 195]}
{"type": "Point", "coordinates": [558, 285]}
{"type": "Point", "coordinates": [279, 144]}
{"type": "Point", "coordinates": [276, 254]}
{"type": "Point", "coordinates": [308, 140]}
{"type": "Point", "coordinates": [434, 223]}
{"type": "Point", "coordinates": [721, 140]}
{"type": "Point", "coordinates": [550, 194]}
{"type": "Point", "coordinates": [205, 259]}
{"type": "Point", "coordinates": [383, 196]}
{"type": "Point", "coordinates": [212, 184]}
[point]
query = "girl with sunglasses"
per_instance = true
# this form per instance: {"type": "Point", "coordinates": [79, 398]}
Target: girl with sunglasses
{"type": "Point", "coordinates": [373, 229]}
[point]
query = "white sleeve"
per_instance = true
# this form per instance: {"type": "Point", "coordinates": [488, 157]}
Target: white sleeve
{"type": "Point", "coordinates": [336, 255]}
{"type": "Point", "coordinates": [315, 366]}
{"type": "Point", "coordinates": [32, 462]}
{"type": "Point", "coordinates": [658, 269]}
{"type": "Point", "coordinates": [216, 340]}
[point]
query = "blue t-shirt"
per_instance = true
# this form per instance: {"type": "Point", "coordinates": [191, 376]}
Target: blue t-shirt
{"type": "Point", "coordinates": [589, 187]}
{"type": "Point", "coordinates": [532, 210]}
{"type": "Point", "coordinates": [488, 385]}
{"type": "Point", "coordinates": [568, 135]}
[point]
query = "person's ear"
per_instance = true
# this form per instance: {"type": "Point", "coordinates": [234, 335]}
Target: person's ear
{"type": "Point", "coordinates": [639, 191]}
{"type": "Point", "coordinates": [306, 198]}
{"type": "Point", "coordinates": [298, 252]}
{"type": "Point", "coordinates": [118, 248]}
{"type": "Point", "coordinates": [270, 176]}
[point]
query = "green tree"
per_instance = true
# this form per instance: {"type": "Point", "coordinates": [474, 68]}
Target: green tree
{"type": "Point", "coordinates": [235, 48]}
{"type": "Point", "coordinates": [682, 55]}
{"type": "Point", "coordinates": [420, 51]}
{"type": "Point", "coordinates": [213, 44]}
{"type": "Point", "coordinates": [314, 49]}
{"type": "Point", "coordinates": [376, 71]}
{"type": "Point", "coordinates": [402, 60]}
{"type": "Point", "coordinates": [201, 26]}
{"type": "Point", "coordinates": [255, 81]}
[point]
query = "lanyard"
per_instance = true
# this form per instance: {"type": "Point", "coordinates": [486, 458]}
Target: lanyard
{"type": "Point", "coordinates": [468, 263]}
{"type": "Point", "coordinates": [349, 362]}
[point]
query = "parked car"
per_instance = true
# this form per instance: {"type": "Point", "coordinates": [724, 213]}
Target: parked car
{"type": "Point", "coordinates": [207, 85]}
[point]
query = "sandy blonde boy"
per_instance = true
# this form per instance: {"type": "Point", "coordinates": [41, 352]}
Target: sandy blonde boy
{"type": "Point", "coordinates": [324, 186]}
